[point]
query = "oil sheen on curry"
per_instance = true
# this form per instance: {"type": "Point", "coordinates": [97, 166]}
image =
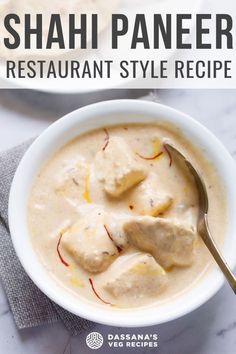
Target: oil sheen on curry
{"type": "Point", "coordinates": [112, 216]}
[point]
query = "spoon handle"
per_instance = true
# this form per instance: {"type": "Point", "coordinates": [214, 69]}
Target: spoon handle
{"type": "Point", "coordinates": [210, 243]}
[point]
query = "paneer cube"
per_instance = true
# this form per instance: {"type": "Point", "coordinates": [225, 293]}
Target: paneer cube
{"type": "Point", "coordinates": [137, 276]}
{"type": "Point", "coordinates": [118, 168]}
{"type": "Point", "coordinates": [150, 197]}
{"type": "Point", "coordinates": [88, 243]}
{"type": "Point", "coordinates": [170, 243]}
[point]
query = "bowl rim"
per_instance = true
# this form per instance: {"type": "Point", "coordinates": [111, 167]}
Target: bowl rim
{"type": "Point", "coordinates": [80, 116]}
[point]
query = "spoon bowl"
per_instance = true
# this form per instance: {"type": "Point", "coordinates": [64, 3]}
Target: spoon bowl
{"type": "Point", "coordinates": [202, 225]}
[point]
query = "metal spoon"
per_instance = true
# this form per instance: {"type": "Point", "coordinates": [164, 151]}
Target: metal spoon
{"type": "Point", "coordinates": [202, 226]}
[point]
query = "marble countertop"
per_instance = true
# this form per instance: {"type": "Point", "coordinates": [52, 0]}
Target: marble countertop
{"type": "Point", "coordinates": [209, 330]}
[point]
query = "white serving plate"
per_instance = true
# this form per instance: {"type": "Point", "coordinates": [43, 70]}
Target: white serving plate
{"type": "Point", "coordinates": [127, 7]}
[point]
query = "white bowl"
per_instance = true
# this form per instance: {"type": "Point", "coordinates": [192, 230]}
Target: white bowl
{"type": "Point", "coordinates": [82, 120]}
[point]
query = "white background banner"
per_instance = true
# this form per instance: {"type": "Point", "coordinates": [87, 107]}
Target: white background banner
{"type": "Point", "coordinates": [131, 44]}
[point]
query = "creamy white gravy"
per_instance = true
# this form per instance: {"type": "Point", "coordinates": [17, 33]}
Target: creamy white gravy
{"type": "Point", "coordinates": [55, 203]}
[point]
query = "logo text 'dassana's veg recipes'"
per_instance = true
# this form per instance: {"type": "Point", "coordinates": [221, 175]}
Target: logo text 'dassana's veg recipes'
{"type": "Point", "coordinates": [95, 340]}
